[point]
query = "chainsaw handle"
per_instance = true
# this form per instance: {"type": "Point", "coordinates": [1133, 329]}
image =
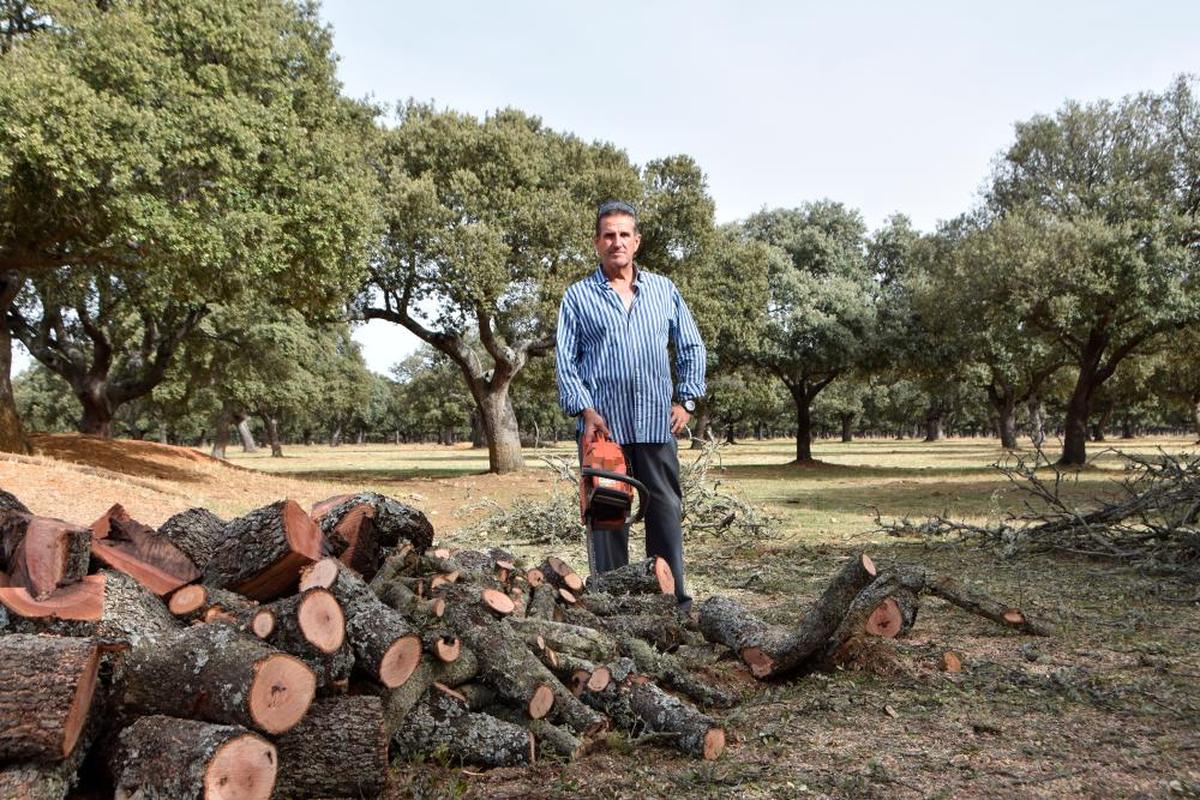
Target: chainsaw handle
{"type": "Point", "coordinates": [592, 472]}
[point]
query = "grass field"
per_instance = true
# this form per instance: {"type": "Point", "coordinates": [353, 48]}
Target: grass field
{"type": "Point", "coordinates": [1110, 707]}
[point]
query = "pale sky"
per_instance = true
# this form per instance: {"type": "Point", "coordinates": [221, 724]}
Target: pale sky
{"type": "Point", "coordinates": [884, 106]}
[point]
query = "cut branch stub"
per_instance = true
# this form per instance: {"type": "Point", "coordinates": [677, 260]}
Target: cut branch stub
{"type": "Point", "coordinates": [649, 576]}
{"type": "Point", "coordinates": [560, 574]}
{"type": "Point", "coordinates": [46, 689]}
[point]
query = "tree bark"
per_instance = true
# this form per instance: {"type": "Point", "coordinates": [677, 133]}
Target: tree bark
{"type": "Point", "coordinates": [500, 426]}
{"type": "Point", "coordinates": [1196, 416]}
{"type": "Point", "coordinates": [221, 436]}
{"type": "Point", "coordinates": [12, 433]}
{"type": "Point", "coordinates": [847, 427]}
{"type": "Point", "coordinates": [1037, 421]}
{"type": "Point", "coordinates": [803, 425]}
{"type": "Point", "coordinates": [1079, 408]}
{"type": "Point", "coordinates": [243, 428]}
{"type": "Point", "coordinates": [934, 424]}
{"type": "Point", "coordinates": [478, 433]}
{"type": "Point", "coordinates": [701, 432]}
{"type": "Point", "coordinates": [271, 424]}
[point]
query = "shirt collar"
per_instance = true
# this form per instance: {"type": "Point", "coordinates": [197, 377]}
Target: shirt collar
{"type": "Point", "coordinates": [599, 277]}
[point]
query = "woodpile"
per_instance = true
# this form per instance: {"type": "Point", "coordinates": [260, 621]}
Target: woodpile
{"type": "Point", "coordinates": [289, 654]}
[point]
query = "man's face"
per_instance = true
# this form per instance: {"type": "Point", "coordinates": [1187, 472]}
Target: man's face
{"type": "Point", "coordinates": [617, 242]}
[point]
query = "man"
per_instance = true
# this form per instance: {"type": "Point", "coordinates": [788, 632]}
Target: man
{"type": "Point", "coordinates": [614, 373]}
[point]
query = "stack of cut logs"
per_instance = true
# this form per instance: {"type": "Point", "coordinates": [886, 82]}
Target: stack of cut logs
{"type": "Point", "coordinates": [291, 655]}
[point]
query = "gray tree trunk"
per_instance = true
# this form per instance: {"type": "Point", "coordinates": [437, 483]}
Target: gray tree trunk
{"type": "Point", "coordinates": [478, 430]}
{"type": "Point", "coordinates": [503, 433]}
{"type": "Point", "coordinates": [221, 436]}
{"type": "Point", "coordinates": [1037, 421]}
{"type": "Point", "coordinates": [12, 433]}
{"type": "Point", "coordinates": [271, 423]}
{"type": "Point", "coordinates": [700, 432]}
{"type": "Point", "coordinates": [243, 428]}
{"type": "Point", "coordinates": [1196, 416]}
{"type": "Point", "coordinates": [847, 427]}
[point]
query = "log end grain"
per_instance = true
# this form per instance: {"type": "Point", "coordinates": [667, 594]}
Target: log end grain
{"type": "Point", "coordinates": [447, 649]}
{"type": "Point", "coordinates": [761, 664]}
{"type": "Point", "coordinates": [951, 662]}
{"type": "Point", "coordinates": [187, 599]}
{"type": "Point", "coordinates": [600, 679]}
{"type": "Point", "coordinates": [400, 661]}
{"type": "Point", "coordinates": [1013, 616]}
{"type": "Point", "coordinates": [714, 744]}
{"type": "Point", "coordinates": [282, 690]}
{"type": "Point", "coordinates": [541, 701]}
{"type": "Point", "coordinates": [497, 601]}
{"type": "Point", "coordinates": [662, 571]}
{"type": "Point", "coordinates": [320, 575]}
{"type": "Point", "coordinates": [242, 769]}
{"type": "Point", "coordinates": [886, 620]}
{"type": "Point", "coordinates": [868, 565]}
{"type": "Point", "coordinates": [262, 624]}
{"type": "Point", "coordinates": [534, 577]}
{"type": "Point", "coordinates": [321, 620]}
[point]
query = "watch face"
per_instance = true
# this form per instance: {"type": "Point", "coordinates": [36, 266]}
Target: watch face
{"type": "Point", "coordinates": [689, 406]}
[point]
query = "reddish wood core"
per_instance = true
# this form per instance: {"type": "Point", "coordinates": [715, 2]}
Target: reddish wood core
{"type": "Point", "coordinates": [263, 623]}
{"type": "Point", "coordinates": [885, 620]}
{"type": "Point", "coordinates": [82, 601]}
{"type": "Point", "coordinates": [666, 580]}
{"type": "Point", "coordinates": [535, 577]}
{"type": "Point", "coordinates": [761, 665]}
{"type": "Point", "coordinates": [714, 744]}
{"type": "Point", "coordinates": [869, 565]}
{"type": "Point", "coordinates": [242, 768]}
{"type": "Point", "coordinates": [1014, 617]}
{"type": "Point", "coordinates": [321, 620]}
{"type": "Point", "coordinates": [319, 510]}
{"type": "Point", "coordinates": [541, 702]}
{"type": "Point", "coordinates": [497, 601]}
{"type": "Point", "coordinates": [281, 692]}
{"type": "Point", "coordinates": [187, 599]}
{"type": "Point", "coordinates": [568, 597]}
{"type": "Point", "coordinates": [447, 649]}
{"type": "Point", "coordinates": [400, 661]}
{"type": "Point", "coordinates": [320, 575]}
{"type": "Point", "coordinates": [81, 703]}
{"type": "Point", "coordinates": [601, 678]}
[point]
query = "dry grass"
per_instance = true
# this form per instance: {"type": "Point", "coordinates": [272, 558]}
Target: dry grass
{"type": "Point", "coordinates": [1108, 708]}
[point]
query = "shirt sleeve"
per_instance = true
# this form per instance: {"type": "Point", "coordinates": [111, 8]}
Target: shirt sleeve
{"type": "Point", "coordinates": [690, 355]}
{"type": "Point", "coordinates": [573, 395]}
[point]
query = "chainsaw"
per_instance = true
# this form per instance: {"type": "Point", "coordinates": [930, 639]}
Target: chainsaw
{"type": "Point", "coordinates": [606, 490]}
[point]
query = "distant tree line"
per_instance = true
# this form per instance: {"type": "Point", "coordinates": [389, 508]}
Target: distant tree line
{"type": "Point", "coordinates": [194, 216]}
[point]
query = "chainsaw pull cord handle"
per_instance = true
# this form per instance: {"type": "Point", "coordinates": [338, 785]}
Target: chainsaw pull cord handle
{"type": "Point", "coordinates": [592, 472]}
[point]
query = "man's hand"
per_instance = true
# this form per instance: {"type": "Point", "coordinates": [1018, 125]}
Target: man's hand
{"type": "Point", "coordinates": [679, 418]}
{"type": "Point", "coordinates": [593, 422]}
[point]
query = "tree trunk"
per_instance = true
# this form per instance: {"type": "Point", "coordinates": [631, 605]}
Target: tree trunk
{"type": "Point", "coordinates": [163, 435]}
{"type": "Point", "coordinates": [12, 434]}
{"type": "Point", "coordinates": [243, 427]}
{"type": "Point", "coordinates": [1037, 421]}
{"type": "Point", "coordinates": [500, 426]}
{"type": "Point", "coordinates": [1128, 429]}
{"type": "Point", "coordinates": [1100, 426]}
{"type": "Point", "coordinates": [221, 436]}
{"type": "Point", "coordinates": [934, 421]}
{"type": "Point", "coordinates": [803, 427]}
{"type": "Point", "coordinates": [271, 423]}
{"type": "Point", "coordinates": [1196, 415]}
{"type": "Point", "coordinates": [335, 436]}
{"type": "Point", "coordinates": [847, 427]}
{"type": "Point", "coordinates": [1079, 408]}
{"type": "Point", "coordinates": [97, 411]}
{"type": "Point", "coordinates": [479, 436]}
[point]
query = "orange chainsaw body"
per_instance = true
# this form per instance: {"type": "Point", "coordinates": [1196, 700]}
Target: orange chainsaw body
{"type": "Point", "coordinates": [605, 491]}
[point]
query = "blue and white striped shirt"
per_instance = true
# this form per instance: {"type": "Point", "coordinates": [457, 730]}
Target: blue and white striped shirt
{"type": "Point", "coordinates": [615, 361]}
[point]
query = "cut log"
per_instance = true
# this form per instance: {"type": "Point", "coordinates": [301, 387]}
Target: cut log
{"type": "Point", "coordinates": [161, 758]}
{"type": "Point", "coordinates": [477, 696]}
{"type": "Point", "coordinates": [196, 532]}
{"type": "Point", "coordinates": [587, 643]}
{"type": "Point", "coordinates": [535, 577]}
{"type": "Point", "coordinates": [148, 557]}
{"type": "Point", "coordinates": [263, 552]}
{"type": "Point", "coordinates": [552, 741]}
{"type": "Point", "coordinates": [542, 601]}
{"type": "Point", "coordinates": [128, 612]}
{"type": "Point", "coordinates": [877, 607]}
{"type": "Point", "coordinates": [310, 626]}
{"type": "Point", "coordinates": [772, 651]}
{"type": "Point", "coordinates": [664, 632]}
{"type": "Point", "coordinates": [446, 647]}
{"type": "Point", "coordinates": [46, 689]}
{"type": "Point", "coordinates": [954, 592]}
{"type": "Point", "coordinates": [219, 674]}
{"type": "Point", "coordinates": [195, 600]}
{"type": "Point", "coordinates": [894, 616]}
{"type": "Point", "coordinates": [385, 645]}
{"type": "Point", "coordinates": [497, 601]}
{"type": "Point", "coordinates": [607, 605]}
{"type": "Point", "coordinates": [439, 723]}
{"type": "Point", "coordinates": [697, 734]}
{"type": "Point", "coordinates": [393, 521]}
{"type": "Point", "coordinates": [9, 502]}
{"type": "Point", "coordinates": [350, 529]}
{"type": "Point", "coordinates": [399, 701]}
{"type": "Point", "coordinates": [560, 574]}
{"type": "Point", "coordinates": [41, 554]}
{"type": "Point", "coordinates": [669, 670]}
{"type": "Point", "coordinates": [649, 576]}
{"type": "Point", "coordinates": [339, 749]}
{"type": "Point", "coordinates": [950, 662]}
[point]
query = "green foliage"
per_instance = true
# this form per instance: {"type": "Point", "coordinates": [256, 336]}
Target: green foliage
{"type": "Point", "coordinates": [44, 401]}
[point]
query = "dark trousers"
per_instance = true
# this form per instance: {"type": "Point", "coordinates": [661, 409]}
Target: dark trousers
{"type": "Point", "coordinates": [657, 466]}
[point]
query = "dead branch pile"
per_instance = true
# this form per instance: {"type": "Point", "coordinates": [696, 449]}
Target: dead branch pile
{"type": "Point", "coordinates": [710, 509]}
{"type": "Point", "coordinates": [1154, 520]}
{"type": "Point", "coordinates": [293, 654]}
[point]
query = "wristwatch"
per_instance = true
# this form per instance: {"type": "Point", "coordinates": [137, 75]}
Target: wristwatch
{"type": "Point", "coordinates": [689, 405]}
